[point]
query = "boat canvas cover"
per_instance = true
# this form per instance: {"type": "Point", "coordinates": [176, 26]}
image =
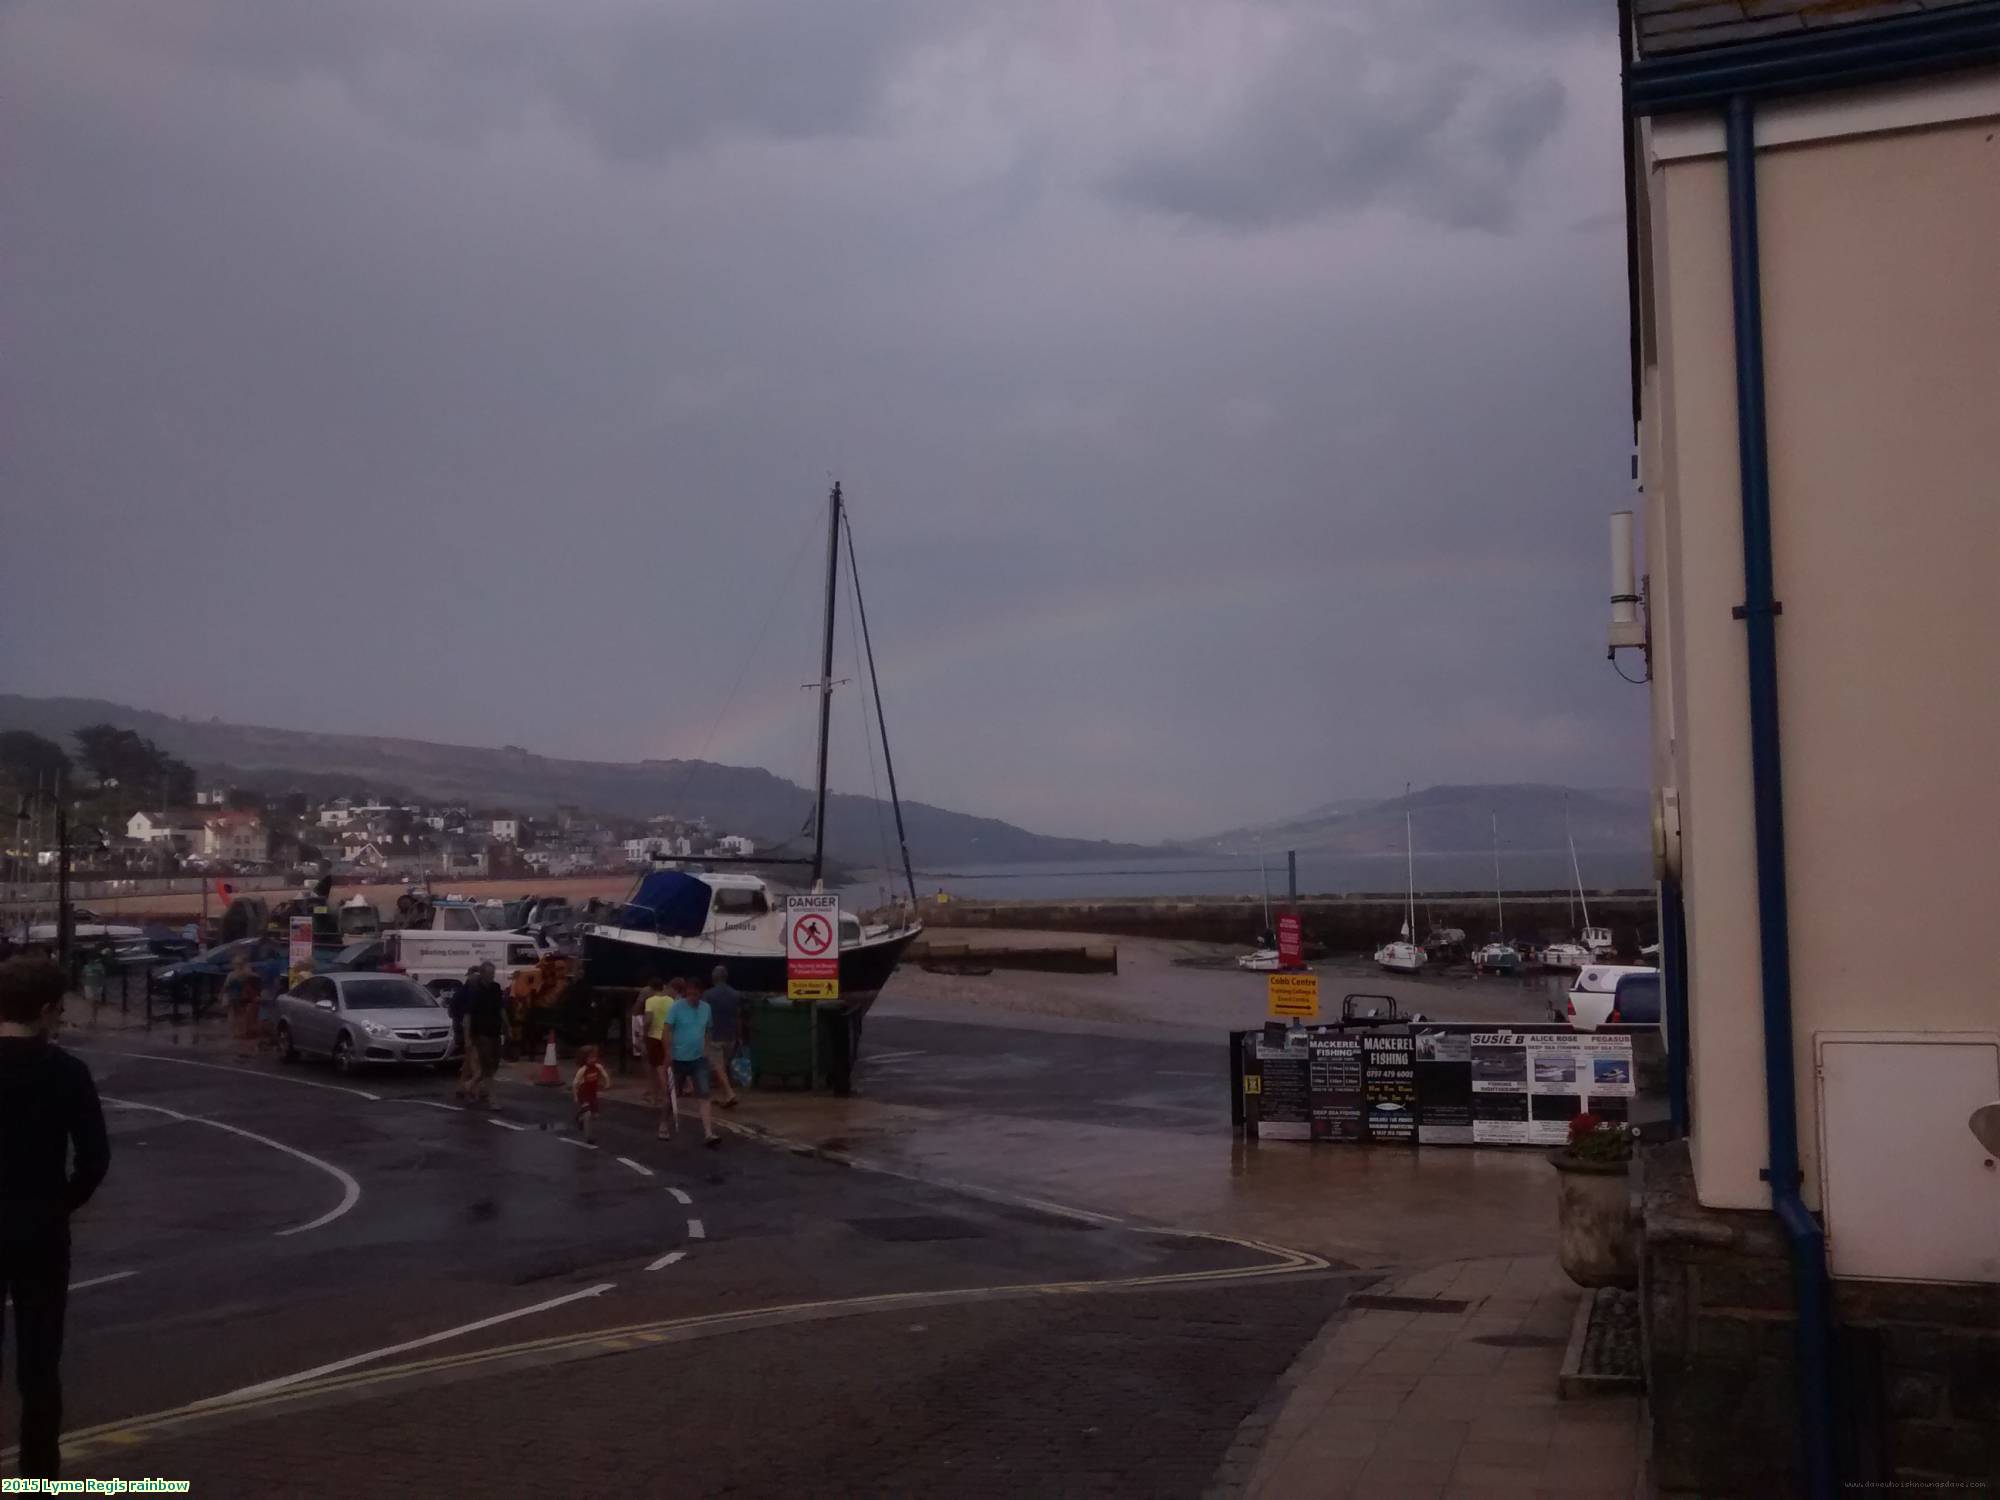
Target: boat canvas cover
{"type": "Point", "coordinates": [668, 902]}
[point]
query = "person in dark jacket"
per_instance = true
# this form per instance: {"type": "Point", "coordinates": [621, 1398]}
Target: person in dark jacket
{"type": "Point", "coordinates": [485, 1018]}
{"type": "Point", "coordinates": [48, 1108]}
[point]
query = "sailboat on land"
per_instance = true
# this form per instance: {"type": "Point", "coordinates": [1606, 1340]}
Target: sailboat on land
{"type": "Point", "coordinates": [1406, 955]}
{"type": "Point", "coordinates": [1567, 956]}
{"type": "Point", "coordinates": [1498, 956]}
{"type": "Point", "coordinates": [680, 925]}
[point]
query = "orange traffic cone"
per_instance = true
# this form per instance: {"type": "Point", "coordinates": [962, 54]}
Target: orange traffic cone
{"type": "Point", "coordinates": [549, 1077]}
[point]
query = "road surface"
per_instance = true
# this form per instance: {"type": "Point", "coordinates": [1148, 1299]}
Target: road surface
{"type": "Point", "coordinates": [299, 1284]}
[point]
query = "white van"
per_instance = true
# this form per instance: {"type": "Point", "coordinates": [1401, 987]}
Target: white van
{"type": "Point", "coordinates": [438, 960]}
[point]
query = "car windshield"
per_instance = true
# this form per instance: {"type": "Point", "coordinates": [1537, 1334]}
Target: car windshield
{"type": "Point", "coordinates": [353, 953]}
{"type": "Point", "coordinates": [386, 994]}
{"type": "Point", "coordinates": [496, 918]}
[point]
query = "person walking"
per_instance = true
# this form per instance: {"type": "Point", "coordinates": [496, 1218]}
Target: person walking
{"type": "Point", "coordinates": [468, 1061]}
{"type": "Point", "coordinates": [591, 1079]}
{"type": "Point", "coordinates": [651, 1019]}
{"type": "Point", "coordinates": [687, 1025]}
{"type": "Point", "coordinates": [725, 1033]}
{"type": "Point", "coordinates": [485, 1018]}
{"type": "Point", "coordinates": [242, 996]}
{"type": "Point", "coordinates": [48, 1109]}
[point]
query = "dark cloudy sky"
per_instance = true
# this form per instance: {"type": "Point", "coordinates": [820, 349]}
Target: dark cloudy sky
{"type": "Point", "coordinates": [1229, 393]}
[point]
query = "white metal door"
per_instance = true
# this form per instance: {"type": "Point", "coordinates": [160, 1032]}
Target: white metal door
{"type": "Point", "coordinates": [1909, 1193]}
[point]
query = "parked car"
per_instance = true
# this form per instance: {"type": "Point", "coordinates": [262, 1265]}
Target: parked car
{"type": "Point", "coordinates": [1614, 994]}
{"type": "Point", "coordinates": [356, 1020]}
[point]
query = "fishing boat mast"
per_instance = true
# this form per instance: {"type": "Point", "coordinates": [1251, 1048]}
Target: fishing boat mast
{"type": "Point", "coordinates": [826, 688]}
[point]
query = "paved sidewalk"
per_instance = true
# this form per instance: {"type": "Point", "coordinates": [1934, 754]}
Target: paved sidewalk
{"type": "Point", "coordinates": [1459, 1401]}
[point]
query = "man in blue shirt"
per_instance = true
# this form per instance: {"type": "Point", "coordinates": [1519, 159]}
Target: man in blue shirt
{"type": "Point", "coordinates": [687, 1024]}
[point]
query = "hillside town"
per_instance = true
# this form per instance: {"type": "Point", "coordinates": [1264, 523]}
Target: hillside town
{"type": "Point", "coordinates": [134, 811]}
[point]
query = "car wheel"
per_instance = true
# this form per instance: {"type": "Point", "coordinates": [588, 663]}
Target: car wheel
{"type": "Point", "coordinates": [287, 1052]}
{"type": "Point", "coordinates": [343, 1054]}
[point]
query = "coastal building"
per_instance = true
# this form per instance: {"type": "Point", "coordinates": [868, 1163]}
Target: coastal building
{"type": "Point", "coordinates": [1813, 211]}
{"type": "Point", "coordinates": [179, 828]}
{"type": "Point", "coordinates": [235, 838]}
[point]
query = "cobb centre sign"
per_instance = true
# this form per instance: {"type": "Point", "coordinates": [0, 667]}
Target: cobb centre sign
{"type": "Point", "coordinates": [812, 947]}
{"type": "Point", "coordinates": [1294, 997]}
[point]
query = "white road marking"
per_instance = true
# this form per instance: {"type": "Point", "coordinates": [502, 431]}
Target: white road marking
{"type": "Point", "coordinates": [668, 1259]}
{"type": "Point", "coordinates": [570, 1140]}
{"type": "Point", "coordinates": [695, 1231]}
{"type": "Point", "coordinates": [883, 1057]}
{"type": "Point", "coordinates": [457, 1109]}
{"type": "Point", "coordinates": [350, 1190]}
{"type": "Point", "coordinates": [505, 1124]}
{"type": "Point", "coordinates": [680, 1195]}
{"type": "Point", "coordinates": [283, 1381]}
{"type": "Point", "coordinates": [77, 1286]}
{"type": "Point", "coordinates": [188, 1062]}
{"type": "Point", "coordinates": [640, 1168]}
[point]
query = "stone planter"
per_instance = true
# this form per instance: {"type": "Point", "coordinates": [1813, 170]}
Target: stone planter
{"type": "Point", "coordinates": [1598, 1243]}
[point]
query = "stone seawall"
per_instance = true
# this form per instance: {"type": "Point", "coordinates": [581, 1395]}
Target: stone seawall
{"type": "Point", "coordinates": [1337, 923]}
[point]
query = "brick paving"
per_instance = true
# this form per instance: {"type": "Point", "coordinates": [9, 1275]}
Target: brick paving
{"type": "Point", "coordinates": [1451, 1403]}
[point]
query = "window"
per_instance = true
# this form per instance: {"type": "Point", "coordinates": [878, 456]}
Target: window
{"type": "Point", "coordinates": [458, 919]}
{"type": "Point", "coordinates": [522, 955]}
{"type": "Point", "coordinates": [740, 901]}
{"type": "Point", "coordinates": [383, 994]}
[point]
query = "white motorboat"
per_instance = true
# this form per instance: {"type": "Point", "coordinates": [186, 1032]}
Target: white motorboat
{"type": "Point", "coordinates": [1402, 957]}
{"type": "Point", "coordinates": [1566, 957]}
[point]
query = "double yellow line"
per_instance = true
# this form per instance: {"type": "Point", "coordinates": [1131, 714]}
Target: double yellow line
{"type": "Point", "coordinates": [129, 1432]}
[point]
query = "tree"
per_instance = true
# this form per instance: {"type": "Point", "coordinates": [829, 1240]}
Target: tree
{"type": "Point", "coordinates": [243, 799]}
{"type": "Point", "coordinates": [28, 760]}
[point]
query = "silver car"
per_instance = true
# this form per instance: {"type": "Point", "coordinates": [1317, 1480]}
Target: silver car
{"type": "Point", "coordinates": [355, 1020]}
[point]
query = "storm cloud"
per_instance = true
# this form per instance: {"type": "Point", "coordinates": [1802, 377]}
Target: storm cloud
{"type": "Point", "coordinates": [1229, 395]}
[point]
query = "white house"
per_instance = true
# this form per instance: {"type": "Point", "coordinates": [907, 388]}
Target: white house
{"type": "Point", "coordinates": [506, 830]}
{"type": "Point", "coordinates": [235, 837]}
{"type": "Point", "coordinates": [735, 843]}
{"type": "Point", "coordinates": [162, 827]}
{"type": "Point", "coordinates": [644, 851]}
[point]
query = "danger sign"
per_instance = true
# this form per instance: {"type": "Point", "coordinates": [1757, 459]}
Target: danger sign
{"type": "Point", "coordinates": [812, 947]}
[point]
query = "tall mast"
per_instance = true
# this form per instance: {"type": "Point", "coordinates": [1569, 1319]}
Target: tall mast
{"type": "Point", "coordinates": [1410, 858]}
{"type": "Point", "coordinates": [826, 686]}
{"type": "Point", "coordinates": [881, 720]}
{"type": "Point", "coordinates": [1499, 902]}
{"type": "Point", "coordinates": [1575, 868]}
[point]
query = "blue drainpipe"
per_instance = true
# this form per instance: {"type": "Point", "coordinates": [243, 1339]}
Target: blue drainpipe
{"type": "Point", "coordinates": [1759, 612]}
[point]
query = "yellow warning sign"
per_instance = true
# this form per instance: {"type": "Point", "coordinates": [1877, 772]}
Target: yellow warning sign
{"type": "Point", "coordinates": [1295, 997]}
{"type": "Point", "coordinates": [812, 989]}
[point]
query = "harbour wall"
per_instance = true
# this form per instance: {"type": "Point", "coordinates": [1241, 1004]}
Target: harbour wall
{"type": "Point", "coordinates": [1336, 923]}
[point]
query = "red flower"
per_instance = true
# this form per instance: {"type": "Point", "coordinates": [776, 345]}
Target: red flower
{"type": "Point", "coordinates": [1582, 1125]}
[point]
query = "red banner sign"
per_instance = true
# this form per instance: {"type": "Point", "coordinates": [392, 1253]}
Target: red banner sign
{"type": "Point", "coordinates": [1290, 947]}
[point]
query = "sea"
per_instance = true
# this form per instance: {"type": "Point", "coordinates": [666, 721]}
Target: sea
{"type": "Point", "coordinates": [1227, 875]}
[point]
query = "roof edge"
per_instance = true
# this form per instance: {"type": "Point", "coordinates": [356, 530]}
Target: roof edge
{"type": "Point", "coordinates": [1897, 47]}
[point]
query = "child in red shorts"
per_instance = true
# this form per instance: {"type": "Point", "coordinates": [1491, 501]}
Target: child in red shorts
{"type": "Point", "coordinates": [591, 1079]}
